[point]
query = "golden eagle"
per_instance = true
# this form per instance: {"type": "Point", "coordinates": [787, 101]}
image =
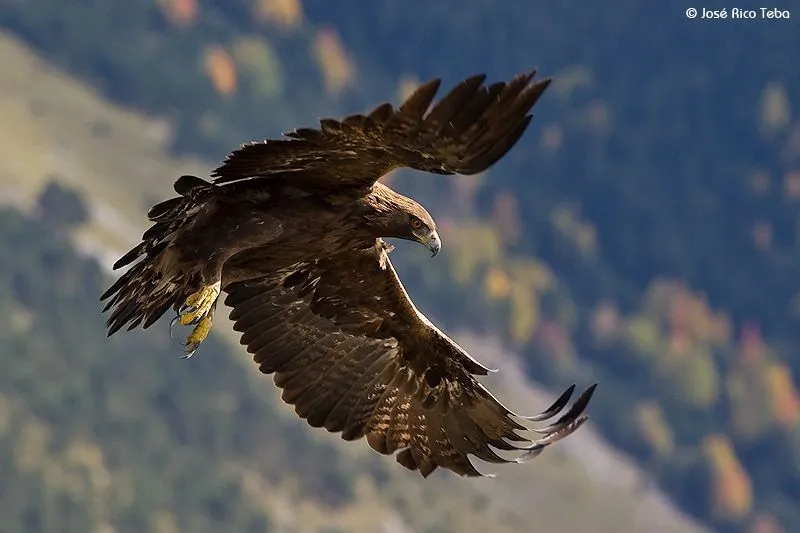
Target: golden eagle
{"type": "Point", "coordinates": [292, 230]}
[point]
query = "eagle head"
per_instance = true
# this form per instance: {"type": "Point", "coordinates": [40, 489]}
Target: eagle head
{"type": "Point", "coordinates": [393, 215]}
{"type": "Point", "coordinates": [424, 232]}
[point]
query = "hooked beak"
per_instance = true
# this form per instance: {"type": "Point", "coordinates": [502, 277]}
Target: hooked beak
{"type": "Point", "coordinates": [433, 243]}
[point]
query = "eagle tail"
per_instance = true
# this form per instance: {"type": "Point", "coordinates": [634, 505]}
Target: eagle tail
{"type": "Point", "coordinates": [153, 285]}
{"type": "Point", "coordinates": [143, 294]}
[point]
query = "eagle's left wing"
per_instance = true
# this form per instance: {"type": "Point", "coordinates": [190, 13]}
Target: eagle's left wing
{"type": "Point", "coordinates": [353, 355]}
{"type": "Point", "coordinates": [466, 132]}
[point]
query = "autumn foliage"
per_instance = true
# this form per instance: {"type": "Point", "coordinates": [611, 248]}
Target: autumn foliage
{"type": "Point", "coordinates": [283, 13]}
{"type": "Point", "coordinates": [180, 12]}
{"type": "Point", "coordinates": [731, 490]}
{"type": "Point", "coordinates": [336, 66]}
{"type": "Point", "coordinates": [221, 70]}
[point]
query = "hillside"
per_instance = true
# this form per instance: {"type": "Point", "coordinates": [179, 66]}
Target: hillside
{"type": "Point", "coordinates": [645, 234]}
{"type": "Point", "coordinates": [290, 476]}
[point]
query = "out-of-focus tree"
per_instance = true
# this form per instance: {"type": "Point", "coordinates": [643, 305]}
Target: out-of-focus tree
{"type": "Point", "coordinates": [337, 67]}
{"type": "Point", "coordinates": [784, 399]}
{"type": "Point", "coordinates": [653, 430]}
{"type": "Point", "coordinates": [765, 523]}
{"type": "Point", "coordinates": [791, 184]}
{"type": "Point", "coordinates": [731, 490]}
{"type": "Point", "coordinates": [762, 235]}
{"type": "Point", "coordinates": [749, 404]}
{"type": "Point", "coordinates": [751, 347]}
{"type": "Point", "coordinates": [180, 12]}
{"type": "Point", "coordinates": [259, 65]}
{"type": "Point", "coordinates": [525, 317]}
{"type": "Point", "coordinates": [497, 283]}
{"type": "Point", "coordinates": [581, 233]}
{"type": "Point", "coordinates": [221, 70]}
{"type": "Point", "coordinates": [605, 322]}
{"type": "Point", "coordinates": [505, 216]}
{"type": "Point", "coordinates": [775, 112]}
{"type": "Point", "coordinates": [760, 391]}
{"type": "Point", "coordinates": [530, 280]}
{"type": "Point", "coordinates": [474, 246]}
{"type": "Point", "coordinates": [554, 343]}
{"type": "Point", "coordinates": [642, 336]}
{"type": "Point", "coordinates": [689, 371]}
{"type": "Point", "coordinates": [283, 13]}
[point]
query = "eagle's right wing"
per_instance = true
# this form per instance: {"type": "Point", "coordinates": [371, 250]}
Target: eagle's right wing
{"type": "Point", "coordinates": [466, 132]}
{"type": "Point", "coordinates": [353, 355]}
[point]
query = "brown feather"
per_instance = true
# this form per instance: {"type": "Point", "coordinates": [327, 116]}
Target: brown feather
{"type": "Point", "coordinates": [292, 230]}
{"type": "Point", "coordinates": [352, 356]}
{"type": "Point", "coordinates": [466, 132]}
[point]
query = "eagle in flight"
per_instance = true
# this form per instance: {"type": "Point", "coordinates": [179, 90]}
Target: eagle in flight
{"type": "Point", "coordinates": [292, 230]}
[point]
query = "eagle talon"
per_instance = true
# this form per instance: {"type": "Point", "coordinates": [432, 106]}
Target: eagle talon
{"type": "Point", "coordinates": [199, 305]}
{"type": "Point", "coordinates": [187, 355]}
{"type": "Point", "coordinates": [172, 326]}
{"type": "Point", "coordinates": [198, 334]}
{"type": "Point", "coordinates": [195, 338]}
{"type": "Point", "coordinates": [197, 311]}
{"type": "Point", "coordinates": [186, 309]}
{"type": "Point", "coordinates": [184, 344]}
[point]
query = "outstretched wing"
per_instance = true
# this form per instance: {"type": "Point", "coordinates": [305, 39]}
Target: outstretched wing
{"type": "Point", "coordinates": [353, 355]}
{"type": "Point", "coordinates": [466, 132]}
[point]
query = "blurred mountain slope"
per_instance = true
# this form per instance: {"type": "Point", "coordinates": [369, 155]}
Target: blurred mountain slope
{"type": "Point", "coordinates": [236, 460]}
{"type": "Point", "coordinates": [646, 235]}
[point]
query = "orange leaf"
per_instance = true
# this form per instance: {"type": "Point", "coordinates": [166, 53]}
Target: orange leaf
{"type": "Point", "coordinates": [221, 70]}
{"type": "Point", "coordinates": [284, 13]}
{"type": "Point", "coordinates": [333, 61]}
{"type": "Point", "coordinates": [180, 12]}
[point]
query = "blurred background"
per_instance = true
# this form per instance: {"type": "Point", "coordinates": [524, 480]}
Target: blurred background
{"type": "Point", "coordinates": [644, 233]}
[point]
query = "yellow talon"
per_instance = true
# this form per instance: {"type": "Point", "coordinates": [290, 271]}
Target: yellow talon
{"type": "Point", "coordinates": [198, 310]}
{"type": "Point", "coordinates": [199, 305]}
{"type": "Point", "coordinates": [199, 333]}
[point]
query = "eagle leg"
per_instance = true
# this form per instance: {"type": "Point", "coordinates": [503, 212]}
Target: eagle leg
{"type": "Point", "coordinates": [198, 311]}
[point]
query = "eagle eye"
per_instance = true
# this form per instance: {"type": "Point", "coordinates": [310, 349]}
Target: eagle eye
{"type": "Point", "coordinates": [416, 223]}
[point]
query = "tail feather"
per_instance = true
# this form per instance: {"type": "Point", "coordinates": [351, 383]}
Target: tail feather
{"type": "Point", "coordinates": [144, 293]}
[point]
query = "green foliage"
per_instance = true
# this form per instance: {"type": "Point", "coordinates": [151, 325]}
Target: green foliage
{"type": "Point", "coordinates": [654, 431]}
{"type": "Point", "coordinates": [691, 375]}
{"type": "Point", "coordinates": [258, 61]}
{"type": "Point", "coordinates": [643, 336]}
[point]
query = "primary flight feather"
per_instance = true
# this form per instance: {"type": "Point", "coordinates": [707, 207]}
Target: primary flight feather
{"type": "Point", "coordinates": [292, 230]}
